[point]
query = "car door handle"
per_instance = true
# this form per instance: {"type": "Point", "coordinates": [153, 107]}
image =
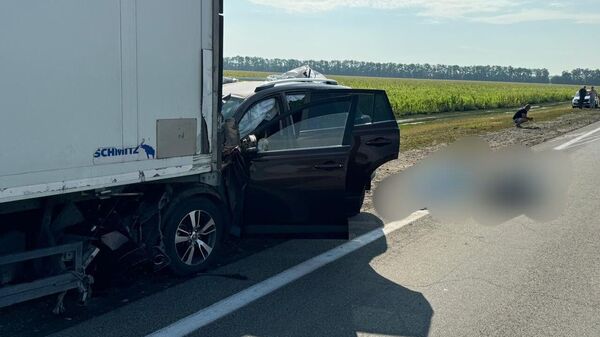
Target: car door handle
{"type": "Point", "coordinates": [329, 166]}
{"type": "Point", "coordinates": [380, 141]}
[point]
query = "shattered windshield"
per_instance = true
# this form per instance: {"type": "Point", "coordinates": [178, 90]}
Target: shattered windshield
{"type": "Point", "coordinates": [261, 111]}
{"type": "Point", "coordinates": [230, 106]}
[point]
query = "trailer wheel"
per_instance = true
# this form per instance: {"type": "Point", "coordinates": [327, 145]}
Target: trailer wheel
{"type": "Point", "coordinates": [193, 235]}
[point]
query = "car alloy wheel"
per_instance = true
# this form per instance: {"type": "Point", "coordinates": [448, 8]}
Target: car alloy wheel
{"type": "Point", "coordinates": [194, 228]}
{"type": "Point", "coordinates": [195, 237]}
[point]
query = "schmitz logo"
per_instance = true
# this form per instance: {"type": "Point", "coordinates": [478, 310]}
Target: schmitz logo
{"type": "Point", "coordinates": [117, 154]}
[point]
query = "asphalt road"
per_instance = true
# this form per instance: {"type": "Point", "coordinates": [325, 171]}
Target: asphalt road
{"type": "Point", "coordinates": [428, 278]}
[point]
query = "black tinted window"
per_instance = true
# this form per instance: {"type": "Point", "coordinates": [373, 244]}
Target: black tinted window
{"type": "Point", "coordinates": [371, 107]}
{"type": "Point", "coordinates": [296, 100]}
{"type": "Point", "coordinates": [364, 109]}
{"type": "Point", "coordinates": [330, 94]}
{"type": "Point", "coordinates": [326, 112]}
{"type": "Point", "coordinates": [382, 111]}
{"type": "Point", "coordinates": [320, 125]}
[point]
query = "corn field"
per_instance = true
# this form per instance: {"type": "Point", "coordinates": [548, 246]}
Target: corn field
{"type": "Point", "coordinates": [413, 96]}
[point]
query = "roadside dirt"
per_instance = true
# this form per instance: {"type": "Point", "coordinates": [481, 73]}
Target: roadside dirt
{"type": "Point", "coordinates": [530, 135]}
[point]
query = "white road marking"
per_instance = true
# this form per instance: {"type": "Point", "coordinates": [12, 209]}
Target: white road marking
{"type": "Point", "coordinates": [585, 141]}
{"type": "Point", "coordinates": [234, 302]}
{"type": "Point", "coordinates": [575, 140]}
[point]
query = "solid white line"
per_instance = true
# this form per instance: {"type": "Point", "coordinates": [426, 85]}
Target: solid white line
{"type": "Point", "coordinates": [234, 302]}
{"type": "Point", "coordinates": [585, 142]}
{"type": "Point", "coordinates": [575, 140]}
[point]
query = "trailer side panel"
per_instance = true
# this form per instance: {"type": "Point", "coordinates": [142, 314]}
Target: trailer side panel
{"type": "Point", "coordinates": [86, 85]}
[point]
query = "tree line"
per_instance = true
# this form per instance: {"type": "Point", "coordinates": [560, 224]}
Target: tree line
{"type": "Point", "coordinates": [421, 71]}
{"type": "Point", "coordinates": [578, 76]}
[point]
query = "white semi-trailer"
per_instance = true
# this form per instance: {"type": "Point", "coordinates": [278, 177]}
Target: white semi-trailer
{"type": "Point", "coordinates": [107, 107]}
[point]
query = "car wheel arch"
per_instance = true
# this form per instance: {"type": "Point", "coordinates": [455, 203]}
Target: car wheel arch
{"type": "Point", "coordinates": [181, 192]}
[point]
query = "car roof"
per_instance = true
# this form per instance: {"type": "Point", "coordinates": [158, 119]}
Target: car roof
{"type": "Point", "coordinates": [241, 89]}
{"type": "Point", "coordinates": [246, 89]}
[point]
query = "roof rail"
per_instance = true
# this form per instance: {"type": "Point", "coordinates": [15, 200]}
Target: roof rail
{"type": "Point", "coordinates": [272, 84]}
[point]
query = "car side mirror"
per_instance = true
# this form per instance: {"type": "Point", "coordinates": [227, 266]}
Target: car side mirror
{"type": "Point", "coordinates": [250, 144]}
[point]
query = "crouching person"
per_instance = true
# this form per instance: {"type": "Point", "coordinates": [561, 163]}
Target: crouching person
{"type": "Point", "coordinates": [521, 116]}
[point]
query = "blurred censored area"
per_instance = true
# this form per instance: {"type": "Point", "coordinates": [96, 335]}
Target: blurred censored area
{"type": "Point", "coordinates": [469, 180]}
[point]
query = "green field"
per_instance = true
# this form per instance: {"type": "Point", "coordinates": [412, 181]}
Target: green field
{"type": "Point", "coordinates": [412, 96]}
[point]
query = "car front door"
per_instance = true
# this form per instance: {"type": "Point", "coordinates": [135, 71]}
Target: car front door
{"type": "Point", "coordinates": [298, 171]}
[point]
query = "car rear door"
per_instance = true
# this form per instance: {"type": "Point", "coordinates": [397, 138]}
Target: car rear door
{"type": "Point", "coordinates": [375, 141]}
{"type": "Point", "coordinates": [298, 172]}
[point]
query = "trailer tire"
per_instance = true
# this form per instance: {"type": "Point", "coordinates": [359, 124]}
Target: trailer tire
{"type": "Point", "coordinates": [193, 234]}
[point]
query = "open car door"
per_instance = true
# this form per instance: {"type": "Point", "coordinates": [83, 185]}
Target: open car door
{"type": "Point", "coordinates": [297, 172]}
{"type": "Point", "coordinates": [376, 140]}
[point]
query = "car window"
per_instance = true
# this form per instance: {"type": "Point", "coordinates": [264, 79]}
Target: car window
{"type": "Point", "coordinates": [382, 110]}
{"type": "Point", "coordinates": [321, 125]}
{"type": "Point", "coordinates": [296, 100]}
{"type": "Point", "coordinates": [264, 110]}
{"type": "Point", "coordinates": [326, 112]}
{"type": "Point", "coordinates": [371, 106]}
{"type": "Point", "coordinates": [230, 106]}
{"type": "Point", "coordinates": [321, 96]}
{"type": "Point", "coordinates": [329, 94]}
{"type": "Point", "coordinates": [364, 109]}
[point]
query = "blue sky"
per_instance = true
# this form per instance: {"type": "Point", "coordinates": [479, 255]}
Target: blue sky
{"type": "Point", "coordinates": [558, 35]}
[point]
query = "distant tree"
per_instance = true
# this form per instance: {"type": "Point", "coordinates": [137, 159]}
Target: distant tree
{"type": "Point", "coordinates": [425, 71]}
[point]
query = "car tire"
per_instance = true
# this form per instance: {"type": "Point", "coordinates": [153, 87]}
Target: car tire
{"type": "Point", "coordinates": [193, 235]}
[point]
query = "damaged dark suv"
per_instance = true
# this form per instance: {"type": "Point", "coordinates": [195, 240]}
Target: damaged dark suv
{"type": "Point", "coordinates": [310, 148]}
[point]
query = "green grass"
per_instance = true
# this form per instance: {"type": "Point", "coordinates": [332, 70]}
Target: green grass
{"type": "Point", "coordinates": [413, 96]}
{"type": "Point", "coordinates": [414, 136]}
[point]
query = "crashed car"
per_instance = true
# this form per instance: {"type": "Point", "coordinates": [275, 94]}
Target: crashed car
{"type": "Point", "coordinates": [587, 103]}
{"type": "Point", "coordinates": [297, 154]}
{"type": "Point", "coordinates": [296, 157]}
{"type": "Point", "coordinates": [310, 148]}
